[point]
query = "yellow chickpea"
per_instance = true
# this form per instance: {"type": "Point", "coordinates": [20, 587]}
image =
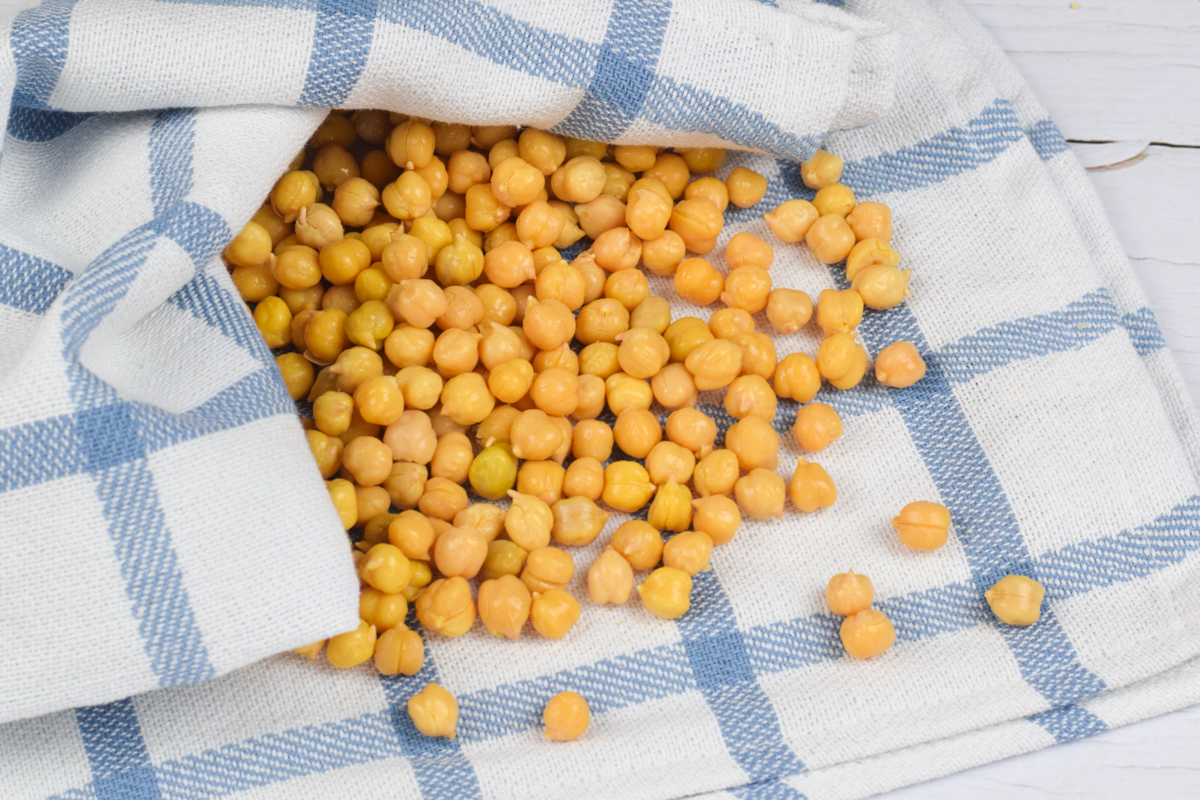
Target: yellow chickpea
{"type": "Point", "coordinates": [378, 169]}
{"type": "Point", "coordinates": [356, 366]}
{"type": "Point", "coordinates": [624, 392]}
{"type": "Point", "coordinates": [442, 499]}
{"type": "Point", "coordinates": [811, 487]}
{"type": "Point", "coordinates": [830, 239]}
{"type": "Point", "coordinates": [547, 568]}
{"type": "Point", "coordinates": [379, 400]}
{"type": "Point", "coordinates": [648, 208]}
{"type": "Point", "coordinates": [871, 221]}
{"type": "Point", "coordinates": [584, 478]}
{"type": "Point", "coordinates": [460, 551]}
{"type": "Point", "coordinates": [628, 287]}
{"type": "Point", "coordinates": [692, 429]}
{"type": "Point", "coordinates": [688, 552]}
{"type": "Point", "coordinates": [466, 399]}
{"type": "Point", "coordinates": [504, 605]}
{"type": "Point", "coordinates": [836, 198]}
{"type": "Point", "coordinates": [817, 426]}
{"type": "Point", "coordinates": [760, 494]}
{"type": "Point", "coordinates": [534, 436]}
{"type": "Point", "coordinates": [465, 169]}
{"type": "Point", "coordinates": [539, 224]}
{"type": "Point", "coordinates": [548, 324]}
{"type": "Point", "coordinates": [849, 593]}
{"type": "Point", "coordinates": [421, 387]}
{"type": "Point", "coordinates": [899, 365]}
{"type": "Point", "coordinates": [751, 396]}
{"type": "Point", "coordinates": [699, 223]}
{"type": "Point", "coordinates": [297, 374]}
{"type": "Point", "coordinates": [542, 479]}
{"type": "Point", "coordinates": [673, 386]}
{"type": "Point", "coordinates": [602, 214]}
{"type": "Point", "coordinates": [639, 543]}
{"type": "Point", "coordinates": [399, 651]}
{"type": "Point", "coordinates": [698, 282]}
{"type": "Point", "coordinates": [274, 322]}
{"type": "Point", "coordinates": [714, 364]}
{"type": "Point", "coordinates": [754, 442]}
{"type": "Point", "coordinates": [516, 182]}
{"type": "Point", "coordinates": [348, 650]}
{"type": "Point", "coordinates": [718, 517]}
{"type": "Point", "coordinates": [372, 501]}
{"type": "Point", "coordinates": [610, 579]}
{"type": "Point", "coordinates": [789, 310]}
{"type": "Point", "coordinates": [663, 254]}
{"type": "Point", "coordinates": [842, 360]}
{"type": "Point", "coordinates": [711, 189]}
{"type": "Point", "coordinates": [1016, 600]}
{"type": "Point", "coordinates": [867, 634]}
{"type": "Point", "coordinates": [686, 334]}
{"type": "Point", "coordinates": [839, 311]}
{"type": "Point", "coordinates": [667, 593]}
{"type": "Point", "coordinates": [821, 170]}
{"type": "Point", "coordinates": [554, 612]}
{"type": "Point", "coordinates": [412, 532]}
{"type": "Point", "coordinates": [529, 521]}
{"type": "Point", "coordinates": [579, 180]}
{"type": "Point", "coordinates": [716, 473]}
{"type": "Point", "coordinates": [499, 306]}
{"type": "Point", "coordinates": [380, 609]}
{"type": "Point", "coordinates": [327, 452]}
{"type": "Point", "coordinates": [602, 321]}
{"type": "Point", "coordinates": [599, 359]}
{"type": "Point", "coordinates": [405, 258]}
{"type": "Point", "coordinates": [555, 391]}
{"type": "Point", "coordinates": [446, 606]}
{"type": "Point", "coordinates": [484, 211]}
{"type": "Point", "coordinates": [869, 253]}
{"type": "Point", "coordinates": [881, 286]}
{"type": "Point", "coordinates": [746, 187]}
{"type": "Point", "coordinates": [408, 197]}
{"type": "Point", "coordinates": [368, 460]}
{"type": "Point", "coordinates": [297, 267]}
{"type": "Point", "coordinates": [758, 354]}
{"type": "Point", "coordinates": [748, 288]}
{"type": "Point", "coordinates": [923, 525]}
{"type": "Point", "coordinates": [503, 558]}
{"type": "Point", "coordinates": [635, 157]}
{"type": "Point", "coordinates": [292, 192]}
{"type": "Point", "coordinates": [510, 381]}
{"type": "Point", "coordinates": [627, 486]}
{"type": "Point", "coordinates": [791, 221]}
{"type": "Point", "coordinates": [406, 484]}
{"type": "Point", "coordinates": [643, 352]}
{"type": "Point", "coordinates": [702, 160]}
{"type": "Point", "coordinates": [385, 568]}
{"type": "Point", "coordinates": [592, 393]}
{"type": "Point", "coordinates": [617, 249]}
{"type": "Point", "coordinates": [671, 509]}
{"type": "Point", "coordinates": [592, 439]}
{"type": "Point", "coordinates": [672, 170]}
{"type": "Point", "coordinates": [668, 461]}
{"type": "Point", "coordinates": [433, 710]}
{"type": "Point", "coordinates": [410, 144]}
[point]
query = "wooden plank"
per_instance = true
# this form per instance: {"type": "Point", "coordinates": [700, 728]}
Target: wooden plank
{"type": "Point", "coordinates": [1109, 69]}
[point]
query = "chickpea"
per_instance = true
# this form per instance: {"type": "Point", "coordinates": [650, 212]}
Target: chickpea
{"type": "Point", "coordinates": [555, 391]}
{"type": "Point", "coordinates": [383, 611]}
{"type": "Point", "coordinates": [466, 169]}
{"type": "Point", "coordinates": [409, 346]}
{"type": "Point", "coordinates": [511, 381]}
{"type": "Point", "coordinates": [516, 182]}
{"type": "Point", "coordinates": [871, 221]}
{"type": "Point", "coordinates": [698, 282]}
{"type": "Point", "coordinates": [317, 225]}
{"type": "Point", "coordinates": [686, 334]}
{"type": "Point", "coordinates": [869, 253]}
{"type": "Point", "coordinates": [412, 533]}
{"type": "Point", "coordinates": [602, 321]}
{"type": "Point", "coordinates": [618, 249]}
{"type": "Point", "coordinates": [836, 198]}
{"type": "Point", "coordinates": [292, 192]}
{"type": "Point", "coordinates": [356, 366]}
{"type": "Point", "coordinates": [821, 170]}
{"type": "Point", "coordinates": [411, 144]}
{"type": "Point", "coordinates": [368, 460]}
{"type": "Point", "coordinates": [446, 607]}
{"type": "Point", "coordinates": [811, 487]}
{"type": "Point", "coordinates": [548, 324]}
{"type": "Point", "coordinates": [648, 208]}
{"type": "Point", "coordinates": [839, 311]}
{"type": "Point", "coordinates": [342, 260]}
{"type": "Point", "coordinates": [542, 479]}
{"type": "Point", "coordinates": [867, 634]}
{"type": "Point", "coordinates": [584, 478]}
{"type": "Point", "coordinates": [673, 387]}
{"type": "Point", "coordinates": [385, 568]}
{"type": "Point", "coordinates": [297, 374]}
{"type": "Point", "coordinates": [668, 461]}
{"type": "Point", "coordinates": [534, 436]}
{"type": "Point", "coordinates": [653, 313]}
{"type": "Point", "coordinates": [443, 499]}
{"type": "Point", "coordinates": [636, 432]}
{"type": "Point", "coordinates": [274, 322]}
{"type": "Point", "coordinates": [554, 612]}
{"type": "Point", "coordinates": [748, 288]}
{"type": "Point", "coordinates": [881, 286]}
{"type": "Point", "coordinates": [297, 268]}
{"type": "Point", "coordinates": [714, 364]}
{"type": "Point", "coordinates": [751, 396]}
{"type": "Point", "coordinates": [379, 400]}
{"type": "Point", "coordinates": [485, 136]}
{"type": "Point", "coordinates": [842, 361]}
{"type": "Point", "coordinates": [923, 525]}
{"type": "Point", "coordinates": [371, 501]}
{"type": "Point", "coordinates": [710, 189]}
{"type": "Point", "coordinates": [497, 426]}
{"type": "Point", "coordinates": [671, 509]}
{"type": "Point", "coordinates": [503, 558]}
{"type": "Point", "coordinates": [716, 473]}
{"type": "Point", "coordinates": [792, 220]}
{"type": "Point", "coordinates": [272, 223]}
{"type": "Point", "coordinates": [580, 180]}
{"type": "Point", "coordinates": [624, 392]}
{"type": "Point", "coordinates": [849, 593]}
{"type": "Point", "coordinates": [718, 517]}
{"type": "Point", "coordinates": [378, 169]}
{"type": "Point", "coordinates": [760, 494]}
{"type": "Point", "coordinates": [408, 197]}
{"type": "Point", "coordinates": [817, 426]}
{"type": "Point", "coordinates": [789, 310]}
{"type": "Point", "coordinates": [692, 429]}
{"type": "Point", "coordinates": [729, 322]}
{"type": "Point", "coordinates": [610, 579]}
{"type": "Point", "coordinates": [464, 310]}
{"type": "Point", "coordinates": [592, 393]}
{"type": "Point", "coordinates": [452, 457]}
{"type": "Point", "coordinates": [499, 306]}
{"type": "Point", "coordinates": [635, 157]}
{"type": "Point", "coordinates": [405, 258]}
{"type": "Point", "coordinates": [577, 521]}
{"type": "Point", "coordinates": [1016, 600]}
{"type": "Point", "coordinates": [639, 543]}
{"type": "Point", "coordinates": [406, 484]}
{"type": "Point", "coordinates": [539, 224]}
{"type": "Point", "coordinates": [433, 710]}
{"type": "Point", "coordinates": [758, 354]}
{"type": "Point", "coordinates": [504, 605]}
{"type": "Point", "coordinates": [484, 211]}
{"type": "Point", "coordinates": [703, 159]}
{"type": "Point", "coordinates": [483, 517]}
{"type": "Point", "coordinates": [341, 493]}
{"type": "Point", "coordinates": [592, 439]}
{"type": "Point", "coordinates": [643, 352]}
{"type": "Point", "coordinates": [627, 486]}
{"type": "Point", "coordinates": [599, 359]}
{"type": "Point", "coordinates": [347, 650]}
{"type": "Point", "coordinates": [529, 522]}
{"type": "Point", "coordinates": [466, 400]}
{"type": "Point", "coordinates": [672, 171]}
{"type": "Point", "coordinates": [547, 568]}
{"type": "Point", "coordinates": [399, 651]}
{"type": "Point", "coordinates": [746, 187]}
{"type": "Point", "coordinates": [326, 451]}
{"type": "Point", "coordinates": [699, 223]}
{"type": "Point", "coordinates": [688, 552]}
{"type": "Point", "coordinates": [830, 239]}
{"type": "Point", "coordinates": [667, 592]}
{"type": "Point", "coordinates": [417, 302]}
{"type": "Point", "coordinates": [899, 365]}
{"type": "Point", "coordinates": [603, 214]}
{"type": "Point", "coordinates": [797, 377]}
{"type": "Point", "coordinates": [754, 442]}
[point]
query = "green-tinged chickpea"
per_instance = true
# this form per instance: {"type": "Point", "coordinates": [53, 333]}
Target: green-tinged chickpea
{"type": "Point", "coordinates": [635, 157]}
{"type": "Point", "coordinates": [504, 558]}
{"type": "Point", "coordinates": [563, 283]}
{"type": "Point", "coordinates": [272, 223]}
{"type": "Point", "coordinates": [341, 492]}
{"type": "Point", "coordinates": [754, 442]}
{"type": "Point", "coordinates": [577, 521]}
{"type": "Point", "coordinates": [516, 182]}
{"type": "Point", "coordinates": [602, 321]}
{"type": "Point", "coordinates": [446, 606]}
{"type": "Point", "coordinates": [791, 221]}
{"type": "Point", "coordinates": [541, 479]}
{"type": "Point", "coordinates": [460, 552]}
{"type": "Point", "coordinates": [529, 521]}
{"type": "Point", "coordinates": [251, 247]}
{"type": "Point", "coordinates": [348, 650]}
{"type": "Point", "coordinates": [830, 239]}
{"type": "Point", "coordinates": [584, 478]}
{"type": "Point", "coordinates": [372, 501]}
{"type": "Point", "coordinates": [452, 457]}
{"type": "Point", "coordinates": [811, 487]}
{"type": "Point", "coordinates": [836, 198]}
{"type": "Point", "coordinates": [849, 593]}
{"type": "Point", "coordinates": [483, 517]}
{"type": "Point", "coordinates": [459, 264]}
{"type": "Point", "coordinates": [639, 543]}
{"type": "Point", "coordinates": [673, 387]}
{"type": "Point", "coordinates": [671, 509]}
{"type": "Point", "coordinates": [711, 189]}
{"type": "Point", "coordinates": [325, 336]}
{"type": "Point", "coordinates": [923, 525]}
{"type": "Point", "coordinates": [405, 258]}
{"type": "Point", "coordinates": [667, 593]}
{"type": "Point", "coordinates": [602, 214]}
{"type": "Point", "coordinates": [369, 461]}
{"type": "Point", "coordinates": [789, 310]}
{"type": "Point", "coordinates": [623, 392]}
{"type": "Point", "coordinates": [342, 260]}
{"type": "Point", "coordinates": [411, 437]}
{"type": "Point", "coordinates": [465, 169]}
{"type": "Point", "coordinates": [409, 346]}
{"type": "Point", "coordinates": [511, 381]}
{"type": "Point", "coordinates": [292, 192]}
{"type": "Point", "coordinates": [758, 354]}
{"type": "Point", "coordinates": [702, 160]}
{"type": "Point", "coordinates": [455, 352]}
{"type": "Point", "coordinates": [699, 222]}
{"type": "Point", "coordinates": [406, 483]}
{"type": "Point", "coordinates": [716, 473]}
{"type": "Point", "coordinates": [899, 365]}
{"type": "Point", "coordinates": [418, 302]}
{"type": "Point", "coordinates": [499, 306]}
{"type": "Point", "coordinates": [882, 287]}
{"type": "Point", "coordinates": [867, 634]}
{"type": "Point", "coordinates": [534, 436]}
{"type": "Point", "coordinates": [686, 334]}
{"type": "Point", "coordinates": [817, 426]}
{"type": "Point", "coordinates": [698, 282]}
{"type": "Point", "coordinates": [579, 180]}
{"type": "Point", "coordinates": [692, 429]}
{"type": "Point", "coordinates": [717, 517]}
{"type": "Point", "coordinates": [378, 169]}
{"type": "Point", "coordinates": [385, 568]}
{"type": "Point", "coordinates": [1016, 600]}
{"type": "Point", "coordinates": [627, 486]}
{"type": "Point", "coordinates": [610, 579]}
{"type": "Point", "coordinates": [636, 432]}
{"type": "Point", "coordinates": [729, 322]}
{"type": "Point", "coordinates": [747, 250]}
{"type": "Point", "coordinates": [356, 201]}
{"type": "Point", "coordinates": [547, 568]}
{"type": "Point", "coordinates": [628, 287]}
{"type": "Point", "coordinates": [274, 322]}
{"type": "Point", "coordinates": [342, 297]}
{"type": "Point", "coordinates": [412, 533]}
{"type": "Point", "coordinates": [642, 352]}
{"type": "Point", "coordinates": [504, 605]}
{"type": "Point", "coordinates": [254, 283]}
{"type": "Point", "coordinates": [411, 144]}
{"type": "Point", "coordinates": [869, 253]}
{"type": "Point", "coordinates": [379, 400]}
{"type": "Point", "coordinates": [821, 170]}
{"type": "Point", "coordinates": [748, 288]}
{"type": "Point", "coordinates": [760, 494]}
{"type": "Point", "coordinates": [797, 377]}
{"type": "Point", "coordinates": [746, 187]}
{"type": "Point", "coordinates": [442, 499]}
{"type": "Point", "coordinates": [714, 364]}
{"type": "Point", "coordinates": [669, 462]}
{"type": "Point", "coordinates": [384, 611]}
{"type": "Point", "coordinates": [399, 651]}
{"type": "Point", "coordinates": [553, 613]}
{"type": "Point", "coordinates": [484, 210]}
{"type": "Point", "coordinates": [672, 170]}
{"type": "Point", "coordinates": [548, 324]}
{"type": "Point", "coordinates": [871, 221]}
{"type": "Point", "coordinates": [839, 311]}
{"type": "Point", "coordinates": [372, 284]}
{"type": "Point", "coordinates": [369, 324]}
{"type": "Point", "coordinates": [297, 372]}
{"type": "Point", "coordinates": [688, 552]}
{"type": "Point", "coordinates": [436, 176]}
{"type": "Point", "coordinates": [648, 209]}
{"type": "Point", "coordinates": [842, 360]}
{"type": "Point", "coordinates": [555, 391]}
{"type": "Point", "coordinates": [539, 224]}
{"type": "Point", "coordinates": [751, 396]}
{"type": "Point", "coordinates": [326, 451]}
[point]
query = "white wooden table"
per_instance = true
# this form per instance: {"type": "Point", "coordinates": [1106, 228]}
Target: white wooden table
{"type": "Point", "coordinates": [1122, 80]}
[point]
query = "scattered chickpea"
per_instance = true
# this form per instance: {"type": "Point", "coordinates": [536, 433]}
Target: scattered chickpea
{"type": "Point", "coordinates": [433, 710]}
{"type": "Point", "coordinates": [869, 253]}
{"type": "Point", "coordinates": [446, 606]}
{"type": "Point", "coordinates": [821, 170]}
{"type": "Point", "coordinates": [882, 286]}
{"type": "Point", "coordinates": [671, 509]}
{"type": "Point", "coordinates": [760, 494]}
{"type": "Point", "coordinates": [639, 543]}
{"type": "Point", "coordinates": [797, 377]}
{"type": "Point", "coordinates": [718, 517]}
{"type": "Point", "coordinates": [399, 651]}
{"type": "Point", "coordinates": [503, 558]}
{"type": "Point", "coordinates": [817, 426]}
{"type": "Point", "coordinates": [867, 633]}
{"type": "Point", "coordinates": [899, 365]}
{"type": "Point", "coordinates": [811, 487]}
{"type": "Point", "coordinates": [751, 396]}
{"type": "Point", "coordinates": [529, 521]}
{"type": "Point", "coordinates": [714, 364]}
{"type": "Point", "coordinates": [849, 593]}
{"type": "Point", "coordinates": [716, 473]}
{"type": "Point", "coordinates": [610, 579]}
{"type": "Point", "coordinates": [692, 429]}
{"type": "Point", "coordinates": [554, 612]}
{"type": "Point", "coordinates": [698, 282]}
{"type": "Point", "coordinates": [347, 650]}
{"type": "Point", "coordinates": [577, 521]}
{"type": "Point", "coordinates": [627, 486]}
{"type": "Point", "coordinates": [923, 525]}
{"type": "Point", "coordinates": [842, 360]}
{"type": "Point", "coordinates": [754, 442]}
{"type": "Point", "coordinates": [1016, 600]}
{"type": "Point", "coordinates": [668, 461]}
{"type": "Point", "coordinates": [565, 717]}
{"type": "Point", "coordinates": [791, 221]}
{"type": "Point", "coordinates": [584, 478]}
{"type": "Point", "coordinates": [667, 593]}
{"type": "Point", "coordinates": [789, 310]}
{"type": "Point", "coordinates": [674, 387]}
{"type": "Point", "coordinates": [504, 606]}
{"type": "Point", "coordinates": [871, 221]}
{"type": "Point", "coordinates": [636, 432]}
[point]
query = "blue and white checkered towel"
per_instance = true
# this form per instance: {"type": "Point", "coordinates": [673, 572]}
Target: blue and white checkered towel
{"type": "Point", "coordinates": [161, 524]}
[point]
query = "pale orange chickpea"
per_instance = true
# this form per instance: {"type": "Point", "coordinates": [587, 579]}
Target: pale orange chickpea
{"type": "Point", "coordinates": [746, 187]}
{"type": "Point", "coordinates": [698, 282]}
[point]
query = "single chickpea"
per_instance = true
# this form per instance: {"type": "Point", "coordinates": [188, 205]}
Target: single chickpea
{"type": "Point", "coordinates": [617, 249]}
{"type": "Point", "coordinates": [342, 297]}
{"type": "Point", "coordinates": [610, 579]}
{"type": "Point", "coordinates": [692, 429]}
{"type": "Point", "coordinates": [791, 221]}
{"type": "Point", "coordinates": [748, 288]}
{"type": "Point", "coordinates": [789, 310]}
{"type": "Point", "coordinates": [463, 309]}
{"type": "Point", "coordinates": [459, 264]}
{"type": "Point", "coordinates": [592, 393]}
{"type": "Point", "coordinates": [510, 381]}
{"type": "Point", "coordinates": [418, 302]}
{"type": "Point", "coordinates": [746, 187]}
{"type": "Point", "coordinates": [592, 439]}
{"type": "Point", "coordinates": [577, 521]}
{"type": "Point", "coordinates": [817, 426]}
{"type": "Point", "coordinates": [672, 170]}
{"type": "Point", "coordinates": [667, 593]}
{"type": "Point", "coordinates": [327, 452]}
{"type": "Point", "coordinates": [830, 239]}
{"type": "Point", "coordinates": [341, 261]}
{"type": "Point", "coordinates": [593, 276]}
{"type": "Point", "coordinates": [688, 552]}
{"type": "Point", "coordinates": [602, 321]}
{"type": "Point", "coordinates": [811, 487]}
{"type": "Point", "coordinates": [433, 710]}
{"type": "Point", "coordinates": [627, 486]}
{"type": "Point", "coordinates": [754, 442]}
{"type": "Point", "coordinates": [635, 157]}
{"type": "Point", "coordinates": [292, 192]}
{"type": "Point", "coordinates": [547, 568]}
{"type": "Point", "coordinates": [628, 287]}
{"type": "Point", "coordinates": [548, 324]}
{"type": "Point", "coordinates": [821, 170]}
{"type": "Point", "coordinates": [716, 473]}
{"type": "Point", "coordinates": [465, 169]}
{"type": "Point", "coordinates": [380, 609]}
{"type": "Point", "coordinates": [711, 189]}
{"type": "Point", "coordinates": [348, 650]}
{"type": "Point", "coordinates": [318, 225]}
{"type": "Point", "coordinates": [378, 236]}
{"type": "Point", "coordinates": [408, 197]}
{"type": "Point", "coordinates": [842, 360]}
{"type": "Point", "coordinates": [443, 498]}
{"type": "Point", "coordinates": [899, 365]}
{"type": "Point", "coordinates": [624, 392]}
{"type": "Point", "coordinates": [499, 306]}
{"type": "Point", "coordinates": [653, 313]}
{"type": "Point", "coordinates": [378, 169]}
{"type": "Point", "coordinates": [385, 568]}
{"type": "Point", "coordinates": [399, 651]}
{"type": "Point", "coordinates": [563, 283]}
{"type": "Point", "coordinates": [554, 612]}
{"type": "Point", "coordinates": [579, 180]}
{"type": "Point", "coordinates": [358, 427]}
{"type": "Point", "coordinates": [751, 396]}
{"type": "Point", "coordinates": [405, 258]}
{"type": "Point", "coordinates": [699, 223]}
{"type": "Point", "coordinates": [412, 533]}
{"type": "Point", "coordinates": [539, 224]}
{"type": "Point", "coordinates": [372, 284]}
{"type": "Point", "coordinates": [797, 377]}
{"type": "Point", "coordinates": [839, 311]}
{"type": "Point", "coordinates": [409, 346]}
{"type": "Point", "coordinates": [686, 334]}
{"type": "Point", "coordinates": [356, 366]}
{"type": "Point", "coordinates": [368, 460]}
{"type": "Point", "coordinates": [300, 301]}
{"type": "Point", "coordinates": [758, 354]}
{"type": "Point", "coordinates": [747, 250]}
{"type": "Point", "coordinates": [702, 160]}
{"type": "Point", "coordinates": [602, 214]}
{"type": "Point", "coordinates": [503, 558]}
{"type": "Point", "coordinates": [466, 400]}
{"type": "Point", "coordinates": [869, 253]}
{"type": "Point", "coordinates": [555, 391]}
{"type": "Point", "coordinates": [483, 517]}
{"type": "Point", "coordinates": [542, 149]}
{"type": "Point", "coordinates": [1016, 600]}
{"type": "Point", "coordinates": [534, 436]}
{"type": "Point", "coordinates": [867, 633]}
{"type": "Point", "coordinates": [406, 484]}
{"type": "Point", "coordinates": [599, 359]}
{"type": "Point", "coordinates": [639, 543]}
{"type": "Point", "coordinates": [297, 267]}
{"type": "Point", "coordinates": [584, 478]}
{"type": "Point", "coordinates": [718, 517]}
{"type": "Point", "coordinates": [516, 182]}
{"type": "Point", "coordinates": [371, 501]}
{"type": "Point", "coordinates": [923, 525]}
{"type": "Point", "coordinates": [849, 593]}
{"type": "Point", "coordinates": [274, 322]}
{"type": "Point", "coordinates": [452, 457]}
{"type": "Point", "coordinates": [369, 324]}
{"type": "Point", "coordinates": [673, 387]}
{"type": "Point", "coordinates": [379, 400]}
{"type": "Point", "coordinates": [410, 144]}
{"type": "Point", "coordinates": [497, 426]}
{"type": "Point", "coordinates": [698, 282]}
{"type": "Point", "coordinates": [836, 198]}
{"type": "Point", "coordinates": [714, 364]}
{"type": "Point", "coordinates": [671, 509]}
{"type": "Point", "coordinates": [446, 606]}
{"type": "Point", "coordinates": [357, 199]}
{"type": "Point", "coordinates": [460, 552]}
{"type": "Point", "coordinates": [648, 208]}
{"type": "Point", "coordinates": [504, 605]}
{"type": "Point", "coordinates": [542, 479]}
{"type": "Point", "coordinates": [528, 522]}
{"type": "Point", "coordinates": [484, 210]}
{"type": "Point", "coordinates": [643, 352]}
{"type": "Point", "coordinates": [484, 136]}
{"type": "Point", "coordinates": [297, 374]}
{"type": "Point", "coordinates": [871, 221]}
{"type": "Point", "coordinates": [760, 494]}
{"type": "Point", "coordinates": [881, 286]}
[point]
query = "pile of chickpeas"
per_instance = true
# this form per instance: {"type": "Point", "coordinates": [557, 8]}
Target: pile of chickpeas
{"type": "Point", "coordinates": [413, 274]}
